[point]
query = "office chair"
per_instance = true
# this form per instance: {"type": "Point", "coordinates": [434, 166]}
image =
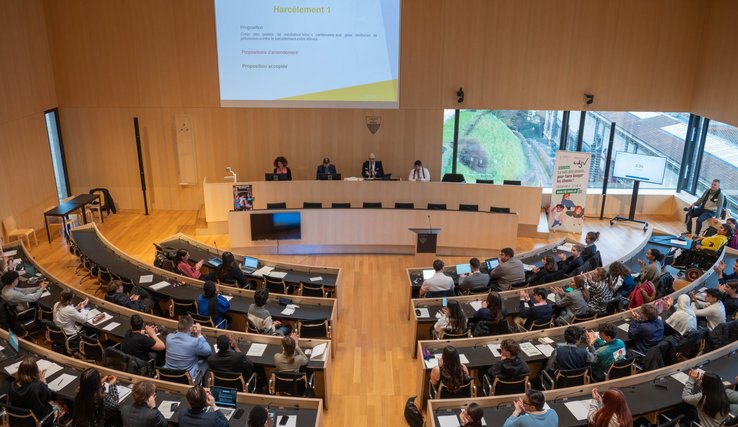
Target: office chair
{"type": "Point", "coordinates": [538, 326]}
{"type": "Point", "coordinates": [579, 318]}
{"type": "Point", "coordinates": [498, 387]}
{"type": "Point", "coordinates": [181, 307]}
{"type": "Point", "coordinates": [207, 321]}
{"type": "Point", "coordinates": [511, 182]}
{"type": "Point", "coordinates": [179, 376]}
{"type": "Point", "coordinates": [58, 338]}
{"type": "Point", "coordinates": [312, 205]}
{"type": "Point", "coordinates": [485, 181]}
{"type": "Point", "coordinates": [275, 285]}
{"type": "Point", "coordinates": [443, 335]}
{"type": "Point", "coordinates": [472, 208]}
{"type": "Point", "coordinates": [341, 205]}
{"type": "Point", "coordinates": [290, 383]}
{"type": "Point", "coordinates": [233, 380]}
{"type": "Point", "coordinates": [372, 205]}
{"type": "Point", "coordinates": [495, 209]}
{"type": "Point", "coordinates": [466, 390]}
{"type": "Point", "coordinates": [402, 205]}
{"type": "Point", "coordinates": [621, 369]}
{"type": "Point", "coordinates": [314, 329]}
{"type": "Point", "coordinates": [280, 205]}
{"type": "Point", "coordinates": [21, 417]}
{"type": "Point", "coordinates": [672, 422]}
{"type": "Point", "coordinates": [12, 231]}
{"type": "Point", "coordinates": [565, 378]}
{"type": "Point", "coordinates": [437, 206]}
{"type": "Point", "coordinates": [308, 290]}
{"type": "Point", "coordinates": [453, 177]}
{"type": "Point", "coordinates": [91, 349]}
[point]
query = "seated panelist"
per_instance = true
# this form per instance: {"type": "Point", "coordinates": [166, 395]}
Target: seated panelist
{"type": "Point", "coordinates": [325, 167]}
{"type": "Point", "coordinates": [419, 173]}
{"type": "Point", "coordinates": [372, 167]}
{"type": "Point", "coordinates": [280, 167]}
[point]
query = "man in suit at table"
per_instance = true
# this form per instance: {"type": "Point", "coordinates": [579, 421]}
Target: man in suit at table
{"type": "Point", "coordinates": [372, 167]}
{"type": "Point", "coordinates": [475, 280]}
{"type": "Point", "coordinates": [325, 167]}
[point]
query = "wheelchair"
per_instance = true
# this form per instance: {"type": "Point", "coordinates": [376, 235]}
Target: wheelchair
{"type": "Point", "coordinates": [693, 263]}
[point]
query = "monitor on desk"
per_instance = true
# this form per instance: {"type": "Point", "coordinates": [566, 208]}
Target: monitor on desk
{"type": "Point", "coordinates": [463, 269]}
{"type": "Point", "coordinates": [492, 263]}
{"type": "Point", "coordinates": [275, 177]}
{"type": "Point", "coordinates": [329, 176]}
{"type": "Point", "coordinates": [427, 274]}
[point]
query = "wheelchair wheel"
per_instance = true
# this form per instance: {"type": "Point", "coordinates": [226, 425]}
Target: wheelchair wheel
{"type": "Point", "coordinates": [693, 274]}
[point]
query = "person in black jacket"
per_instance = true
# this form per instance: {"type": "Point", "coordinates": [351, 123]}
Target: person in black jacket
{"type": "Point", "coordinates": [117, 295]}
{"type": "Point", "coordinates": [230, 359]}
{"type": "Point", "coordinates": [537, 310]}
{"type": "Point", "coordinates": [228, 272]}
{"type": "Point", "coordinates": [143, 412]}
{"type": "Point", "coordinates": [549, 272]}
{"type": "Point", "coordinates": [510, 366]}
{"type": "Point", "coordinates": [280, 167]}
{"type": "Point", "coordinates": [199, 400]}
{"type": "Point", "coordinates": [569, 356]}
{"type": "Point", "coordinates": [590, 249]}
{"type": "Point", "coordinates": [29, 391]}
{"type": "Point", "coordinates": [568, 264]}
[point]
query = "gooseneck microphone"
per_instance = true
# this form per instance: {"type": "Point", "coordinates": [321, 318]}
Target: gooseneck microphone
{"type": "Point", "coordinates": [430, 227]}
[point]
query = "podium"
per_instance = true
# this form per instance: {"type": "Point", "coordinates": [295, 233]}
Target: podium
{"type": "Point", "coordinates": [425, 245]}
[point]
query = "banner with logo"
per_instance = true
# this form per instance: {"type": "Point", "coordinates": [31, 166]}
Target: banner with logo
{"type": "Point", "coordinates": [569, 191]}
{"type": "Point", "coordinates": [243, 198]}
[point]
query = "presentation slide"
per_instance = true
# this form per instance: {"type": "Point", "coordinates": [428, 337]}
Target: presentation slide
{"type": "Point", "coordinates": [311, 54]}
{"type": "Point", "coordinates": [639, 167]}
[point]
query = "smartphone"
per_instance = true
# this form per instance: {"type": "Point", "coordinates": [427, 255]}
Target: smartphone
{"type": "Point", "coordinates": [284, 420]}
{"type": "Point", "coordinates": [444, 302]}
{"type": "Point", "coordinates": [417, 312]}
{"type": "Point", "coordinates": [273, 416]}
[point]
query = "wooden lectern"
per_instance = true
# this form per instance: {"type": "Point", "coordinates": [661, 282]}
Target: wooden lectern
{"type": "Point", "coordinates": [425, 245]}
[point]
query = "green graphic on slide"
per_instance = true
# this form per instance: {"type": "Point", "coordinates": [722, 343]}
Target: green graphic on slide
{"type": "Point", "coordinates": [380, 91]}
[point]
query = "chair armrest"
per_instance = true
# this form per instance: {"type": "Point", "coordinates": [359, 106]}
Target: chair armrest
{"type": "Point", "coordinates": [431, 390]}
{"type": "Point", "coordinates": [486, 384]}
{"type": "Point", "coordinates": [311, 381]}
{"type": "Point", "coordinates": [251, 384]}
{"type": "Point", "coordinates": [546, 378]}
{"type": "Point", "coordinates": [4, 398]}
{"type": "Point", "coordinates": [117, 345]}
{"type": "Point", "coordinates": [222, 322]}
{"type": "Point", "coordinates": [42, 420]}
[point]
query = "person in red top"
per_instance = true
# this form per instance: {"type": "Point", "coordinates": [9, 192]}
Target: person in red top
{"type": "Point", "coordinates": [184, 266]}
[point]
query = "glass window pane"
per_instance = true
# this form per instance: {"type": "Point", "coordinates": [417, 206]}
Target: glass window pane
{"type": "Point", "coordinates": [720, 160]}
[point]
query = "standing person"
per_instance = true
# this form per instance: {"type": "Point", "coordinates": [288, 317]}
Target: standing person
{"type": "Point", "coordinates": [21, 296]}
{"type": "Point", "coordinates": [474, 280]}
{"type": "Point", "coordinates": [707, 392]}
{"type": "Point", "coordinates": [510, 271]}
{"type": "Point", "coordinates": [183, 266]}
{"type": "Point", "coordinates": [143, 412]}
{"type": "Point", "coordinates": [325, 168]}
{"type": "Point", "coordinates": [292, 358]}
{"type": "Point", "coordinates": [280, 168]}
{"type": "Point", "coordinates": [372, 168]}
{"type": "Point", "coordinates": [96, 400]}
{"type": "Point", "coordinates": [609, 409]}
{"type": "Point", "coordinates": [439, 283]}
{"type": "Point", "coordinates": [452, 320]}
{"type": "Point", "coordinates": [29, 391]}
{"type": "Point", "coordinates": [211, 304]}
{"type": "Point", "coordinates": [261, 318]}
{"type": "Point", "coordinates": [709, 205]}
{"type": "Point", "coordinates": [203, 412]}
{"type": "Point", "coordinates": [530, 411]}
{"type": "Point", "coordinates": [419, 173]}
{"type": "Point", "coordinates": [187, 348]}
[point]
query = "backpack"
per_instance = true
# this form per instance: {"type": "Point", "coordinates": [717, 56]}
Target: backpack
{"type": "Point", "coordinates": [664, 285]}
{"type": "Point", "coordinates": [413, 417]}
{"type": "Point", "coordinates": [9, 318]}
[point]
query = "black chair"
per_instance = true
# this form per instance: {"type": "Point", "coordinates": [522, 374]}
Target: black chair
{"type": "Point", "coordinates": [104, 277]}
{"type": "Point", "coordinates": [438, 294]}
{"type": "Point", "coordinates": [437, 206]}
{"type": "Point", "coordinates": [312, 205]}
{"type": "Point", "coordinates": [444, 335]}
{"type": "Point", "coordinates": [21, 417]}
{"type": "Point", "coordinates": [579, 318]}
{"type": "Point", "coordinates": [673, 422]}
{"type": "Point", "coordinates": [485, 181]}
{"type": "Point", "coordinates": [116, 359]}
{"type": "Point", "coordinates": [564, 378]}
{"type": "Point", "coordinates": [207, 320]}
{"type": "Point", "coordinates": [275, 285]}
{"type": "Point", "coordinates": [314, 329]}
{"type": "Point", "coordinates": [308, 290]}
{"type": "Point", "coordinates": [621, 369]}
{"type": "Point", "coordinates": [91, 349]}
{"type": "Point", "coordinates": [511, 182]}
{"type": "Point", "coordinates": [233, 380]}
{"type": "Point", "coordinates": [495, 209]}
{"type": "Point", "coordinates": [473, 208]}
{"type": "Point", "coordinates": [58, 339]}
{"type": "Point", "coordinates": [179, 376]}
{"type": "Point", "coordinates": [280, 205]}
{"type": "Point", "coordinates": [292, 384]}
{"type": "Point", "coordinates": [453, 177]}
{"type": "Point", "coordinates": [182, 307]}
{"type": "Point", "coordinates": [499, 387]}
{"type": "Point", "coordinates": [29, 319]}
{"type": "Point", "coordinates": [539, 326]}
{"type": "Point", "coordinates": [372, 205]}
{"type": "Point", "coordinates": [341, 205]}
{"type": "Point", "coordinates": [403, 205]}
{"type": "Point", "coordinates": [44, 314]}
{"type": "Point", "coordinates": [467, 390]}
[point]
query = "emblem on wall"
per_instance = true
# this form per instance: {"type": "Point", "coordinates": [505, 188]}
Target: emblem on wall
{"type": "Point", "coordinates": [373, 123]}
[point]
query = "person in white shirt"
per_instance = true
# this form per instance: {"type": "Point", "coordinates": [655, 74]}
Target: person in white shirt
{"type": "Point", "coordinates": [419, 173]}
{"type": "Point", "coordinates": [21, 296]}
{"type": "Point", "coordinates": [439, 282]}
{"type": "Point", "coordinates": [69, 317]}
{"type": "Point", "coordinates": [712, 309]}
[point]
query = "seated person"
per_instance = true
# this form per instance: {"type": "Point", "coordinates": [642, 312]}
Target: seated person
{"type": "Point", "coordinates": [680, 318]}
{"type": "Point", "coordinates": [472, 415]}
{"type": "Point", "coordinates": [549, 272]}
{"type": "Point", "coordinates": [143, 412]}
{"type": "Point", "coordinates": [261, 318]}
{"type": "Point", "coordinates": [451, 320]}
{"type": "Point", "coordinates": [141, 340]}
{"type": "Point", "coordinates": [538, 309]}
{"type": "Point", "coordinates": [439, 282]}
{"type": "Point", "coordinates": [450, 371]}
{"type": "Point", "coordinates": [568, 356]}
{"type": "Point", "coordinates": [187, 349]}
{"type": "Point", "coordinates": [116, 295]}
{"type": "Point", "coordinates": [229, 272]}
{"type": "Point", "coordinates": [713, 401]}
{"type": "Point", "coordinates": [567, 265]}
{"type": "Point", "coordinates": [607, 349]}
{"type": "Point", "coordinates": [491, 318]}
{"type": "Point", "coordinates": [651, 270]}
{"type": "Point", "coordinates": [474, 280]}
{"type": "Point", "coordinates": [531, 410]}
{"type": "Point", "coordinates": [723, 277]}
{"type": "Point", "coordinates": [509, 272]}
{"type": "Point", "coordinates": [184, 268]}
{"type": "Point", "coordinates": [715, 242]}
{"type": "Point", "coordinates": [571, 301]}
{"type": "Point", "coordinates": [729, 298]}
{"type": "Point", "coordinates": [325, 167]}
{"type": "Point", "coordinates": [711, 309]}
{"type": "Point", "coordinates": [292, 358]}
{"type": "Point", "coordinates": [620, 279]}
{"type": "Point", "coordinates": [646, 329]}
{"type": "Point", "coordinates": [203, 412]}
{"type": "Point", "coordinates": [29, 391]}
{"type": "Point", "coordinates": [213, 305]}
{"type": "Point", "coordinates": [229, 358]}
{"type": "Point", "coordinates": [21, 296]}
{"type": "Point", "coordinates": [259, 417]}
{"type": "Point", "coordinates": [372, 168]}
{"type": "Point", "coordinates": [510, 366]}
{"type": "Point", "coordinates": [280, 167]}
{"type": "Point", "coordinates": [733, 241]}
{"type": "Point", "coordinates": [69, 317]}
{"type": "Point", "coordinates": [600, 293]}
{"type": "Point", "coordinates": [589, 240]}
{"type": "Point", "coordinates": [419, 173]}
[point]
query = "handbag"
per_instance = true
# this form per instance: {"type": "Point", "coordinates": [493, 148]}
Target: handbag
{"type": "Point", "coordinates": [413, 417]}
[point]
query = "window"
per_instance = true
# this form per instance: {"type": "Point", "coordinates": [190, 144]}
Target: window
{"type": "Point", "coordinates": [53, 131]}
{"type": "Point", "coordinates": [720, 160]}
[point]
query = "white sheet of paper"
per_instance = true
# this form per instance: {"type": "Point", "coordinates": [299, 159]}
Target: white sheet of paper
{"type": "Point", "coordinates": [431, 363]}
{"type": "Point", "coordinates": [165, 408]}
{"type": "Point", "coordinates": [551, 297]}
{"type": "Point", "coordinates": [495, 349]}
{"type": "Point", "coordinates": [45, 294]}
{"type": "Point", "coordinates": [579, 408]}
{"type": "Point", "coordinates": [51, 367]}
{"type": "Point", "coordinates": [318, 352]}
{"type": "Point", "coordinates": [529, 349]}
{"type": "Point", "coordinates": [463, 359]}
{"type": "Point", "coordinates": [278, 274]}
{"type": "Point", "coordinates": [545, 349]}
{"type": "Point", "coordinates": [423, 312]}
{"type": "Point", "coordinates": [448, 421]}
{"type": "Point", "coordinates": [624, 327]}
{"type": "Point", "coordinates": [315, 279]}
{"type": "Point", "coordinates": [262, 271]}
{"type": "Point", "coordinates": [566, 247]}
{"type": "Point", "coordinates": [146, 278]}
{"type": "Point", "coordinates": [123, 391]}
{"type": "Point", "coordinates": [110, 326]}
{"type": "Point", "coordinates": [678, 242]}
{"type": "Point", "coordinates": [438, 314]}
{"type": "Point", "coordinates": [545, 340]}
{"type": "Point", "coordinates": [12, 369]}
{"type": "Point", "coordinates": [288, 311]}
{"type": "Point", "coordinates": [161, 285]}
{"type": "Point", "coordinates": [476, 305]}
{"type": "Point", "coordinates": [256, 349]}
{"type": "Point", "coordinates": [682, 377]}
{"type": "Point", "coordinates": [228, 297]}
{"type": "Point", "coordinates": [528, 267]}
{"type": "Point", "coordinates": [61, 381]}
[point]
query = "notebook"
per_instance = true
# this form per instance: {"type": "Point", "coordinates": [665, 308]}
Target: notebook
{"type": "Point", "coordinates": [249, 265]}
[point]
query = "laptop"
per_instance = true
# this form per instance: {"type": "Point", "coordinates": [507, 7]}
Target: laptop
{"type": "Point", "coordinates": [225, 400]}
{"type": "Point", "coordinates": [492, 263]}
{"type": "Point", "coordinates": [427, 274]}
{"type": "Point", "coordinates": [215, 262]}
{"type": "Point", "coordinates": [249, 264]}
{"type": "Point", "coordinates": [463, 269]}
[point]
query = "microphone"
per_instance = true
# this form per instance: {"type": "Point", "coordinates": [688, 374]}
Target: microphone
{"type": "Point", "coordinates": [430, 227]}
{"type": "Point", "coordinates": [217, 252]}
{"type": "Point", "coordinates": [505, 405]}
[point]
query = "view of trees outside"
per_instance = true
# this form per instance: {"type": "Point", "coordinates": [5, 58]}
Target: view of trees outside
{"type": "Point", "coordinates": [721, 161]}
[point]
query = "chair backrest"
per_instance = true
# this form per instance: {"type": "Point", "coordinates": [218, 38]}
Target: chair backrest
{"type": "Point", "coordinates": [102, 197]}
{"type": "Point", "coordinates": [341, 205]}
{"type": "Point", "coordinates": [203, 320]}
{"type": "Point", "coordinates": [466, 390]}
{"type": "Point", "coordinates": [463, 207]}
{"type": "Point", "coordinates": [45, 314]}
{"type": "Point", "coordinates": [372, 205]}
{"type": "Point", "coordinates": [453, 177]}
{"type": "Point", "coordinates": [308, 290]}
{"type": "Point", "coordinates": [402, 205]}
{"type": "Point", "coordinates": [56, 336]}
{"type": "Point", "coordinates": [502, 387]}
{"type": "Point", "coordinates": [571, 378]}
{"type": "Point", "coordinates": [437, 206]}
{"type": "Point", "coordinates": [227, 379]}
{"type": "Point", "coordinates": [9, 224]}
{"type": "Point", "coordinates": [174, 375]}
{"type": "Point", "coordinates": [579, 318]}
{"type": "Point", "coordinates": [181, 307]}
{"type": "Point", "coordinates": [20, 417]}
{"type": "Point", "coordinates": [90, 348]}
{"type": "Point", "coordinates": [621, 369]}
{"type": "Point", "coordinates": [289, 383]}
{"type": "Point", "coordinates": [436, 294]}
{"type": "Point", "coordinates": [495, 209]}
{"type": "Point", "coordinates": [275, 285]}
{"type": "Point", "coordinates": [444, 335]}
{"type": "Point", "coordinates": [540, 325]}
{"type": "Point", "coordinates": [485, 181]}
{"type": "Point", "coordinates": [313, 329]}
{"type": "Point", "coordinates": [675, 422]}
{"type": "Point", "coordinates": [511, 182]}
{"type": "Point", "coordinates": [312, 205]}
{"type": "Point", "coordinates": [251, 327]}
{"type": "Point", "coordinates": [280, 205]}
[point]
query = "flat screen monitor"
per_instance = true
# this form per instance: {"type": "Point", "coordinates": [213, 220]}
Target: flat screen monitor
{"type": "Point", "coordinates": [275, 177]}
{"type": "Point", "coordinates": [224, 396]}
{"type": "Point", "coordinates": [427, 274]}
{"type": "Point", "coordinates": [463, 268]}
{"type": "Point", "coordinates": [639, 167]}
{"type": "Point", "coordinates": [275, 226]}
{"type": "Point", "coordinates": [492, 263]}
{"type": "Point", "coordinates": [13, 340]}
{"type": "Point", "coordinates": [250, 262]}
{"type": "Point", "coordinates": [329, 176]}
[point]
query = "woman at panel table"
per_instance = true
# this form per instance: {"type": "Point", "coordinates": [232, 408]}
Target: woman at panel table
{"type": "Point", "coordinates": [213, 305]}
{"type": "Point", "coordinates": [419, 173]}
{"type": "Point", "coordinates": [184, 267]}
{"type": "Point", "coordinates": [280, 167]}
{"type": "Point", "coordinates": [449, 371]}
{"type": "Point", "coordinates": [548, 272]}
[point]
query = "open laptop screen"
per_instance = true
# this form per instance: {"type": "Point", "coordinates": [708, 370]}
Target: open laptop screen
{"type": "Point", "coordinates": [249, 262]}
{"type": "Point", "coordinates": [492, 263]}
{"type": "Point", "coordinates": [427, 274]}
{"type": "Point", "coordinates": [224, 396]}
{"type": "Point", "coordinates": [463, 269]}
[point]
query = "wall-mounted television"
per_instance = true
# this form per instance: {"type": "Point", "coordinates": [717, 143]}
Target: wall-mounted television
{"type": "Point", "coordinates": [639, 167]}
{"type": "Point", "coordinates": [276, 226]}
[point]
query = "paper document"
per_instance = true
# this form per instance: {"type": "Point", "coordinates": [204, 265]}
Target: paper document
{"type": "Point", "coordinates": [256, 349]}
{"type": "Point", "coordinates": [288, 311]}
{"type": "Point", "coordinates": [678, 242]}
{"type": "Point", "coordinates": [50, 367]}
{"type": "Point", "coordinates": [438, 314]}
{"type": "Point", "coordinates": [228, 297]}
{"type": "Point", "coordinates": [45, 294]}
{"type": "Point", "coordinates": [495, 349]}
{"type": "Point", "coordinates": [315, 279]}
{"type": "Point", "coordinates": [422, 312]}
{"type": "Point", "coordinates": [545, 349]}
{"type": "Point", "coordinates": [579, 408]}
{"type": "Point", "coordinates": [278, 274]}
{"type": "Point", "coordinates": [431, 363]}
{"type": "Point", "coordinates": [110, 326]}
{"type": "Point", "coordinates": [476, 305]}
{"type": "Point", "coordinates": [61, 381]}
{"type": "Point", "coordinates": [14, 252]}
{"type": "Point", "coordinates": [161, 285]}
{"type": "Point", "coordinates": [165, 407]}
{"type": "Point", "coordinates": [566, 247]}
{"type": "Point", "coordinates": [551, 297]}
{"type": "Point", "coordinates": [545, 340]}
{"type": "Point", "coordinates": [123, 392]}
{"type": "Point", "coordinates": [682, 377]}
{"type": "Point", "coordinates": [318, 352]}
{"type": "Point", "coordinates": [463, 359]}
{"type": "Point", "coordinates": [146, 278]}
{"type": "Point", "coordinates": [262, 271]}
{"type": "Point", "coordinates": [529, 349]}
{"type": "Point", "coordinates": [12, 369]}
{"type": "Point", "coordinates": [624, 327]}
{"type": "Point", "coordinates": [528, 267]}
{"type": "Point", "coordinates": [448, 421]}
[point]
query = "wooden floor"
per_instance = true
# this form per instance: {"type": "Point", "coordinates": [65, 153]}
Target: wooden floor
{"type": "Point", "coordinates": [373, 371]}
